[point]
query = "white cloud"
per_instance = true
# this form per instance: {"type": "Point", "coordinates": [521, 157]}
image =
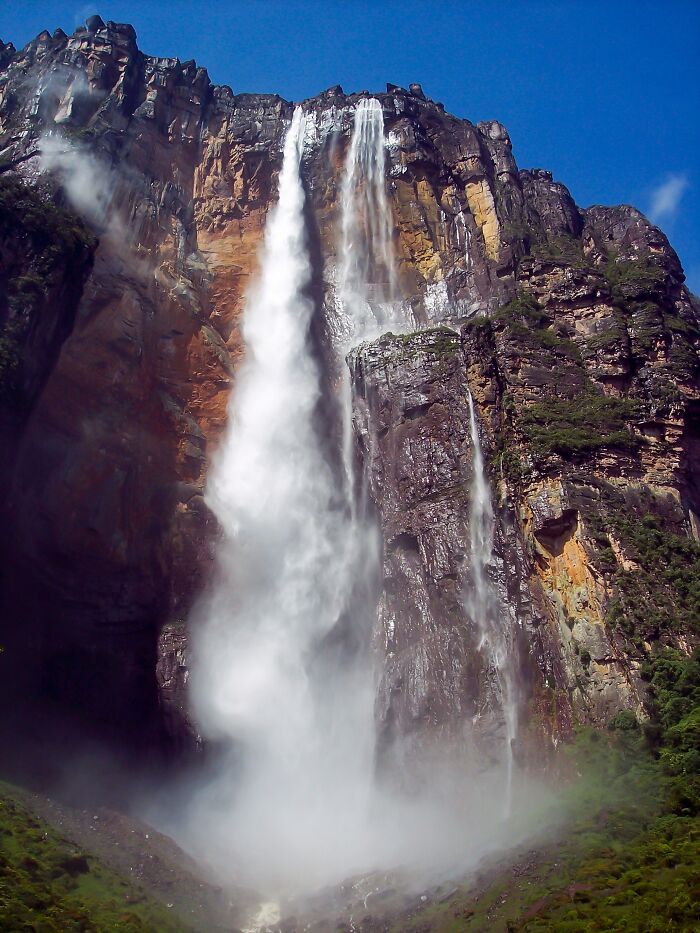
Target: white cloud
{"type": "Point", "coordinates": [666, 198]}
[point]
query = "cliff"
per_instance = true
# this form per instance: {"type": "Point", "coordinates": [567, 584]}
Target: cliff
{"type": "Point", "coordinates": [571, 329]}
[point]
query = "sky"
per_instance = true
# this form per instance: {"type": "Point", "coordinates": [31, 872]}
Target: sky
{"type": "Point", "coordinates": [603, 93]}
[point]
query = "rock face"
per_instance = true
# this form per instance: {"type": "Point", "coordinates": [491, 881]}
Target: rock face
{"type": "Point", "coordinates": [571, 329]}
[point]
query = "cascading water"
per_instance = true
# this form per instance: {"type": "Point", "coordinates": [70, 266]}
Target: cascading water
{"type": "Point", "coordinates": [302, 733]}
{"type": "Point", "coordinates": [483, 603]}
{"type": "Point", "coordinates": [366, 290]}
{"type": "Point", "coordinates": [367, 281]}
{"type": "Point", "coordinates": [282, 679]}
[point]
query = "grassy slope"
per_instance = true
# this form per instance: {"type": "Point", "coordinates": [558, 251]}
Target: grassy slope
{"type": "Point", "coordinates": [47, 884]}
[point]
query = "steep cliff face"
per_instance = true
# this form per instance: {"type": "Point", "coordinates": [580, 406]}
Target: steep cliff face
{"type": "Point", "coordinates": [571, 329]}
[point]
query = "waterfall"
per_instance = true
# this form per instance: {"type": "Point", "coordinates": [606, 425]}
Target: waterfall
{"type": "Point", "coordinates": [483, 603]}
{"type": "Point", "coordinates": [367, 281]}
{"type": "Point", "coordinates": [282, 680]}
{"type": "Point", "coordinates": [297, 722]}
{"type": "Point", "coordinates": [366, 289]}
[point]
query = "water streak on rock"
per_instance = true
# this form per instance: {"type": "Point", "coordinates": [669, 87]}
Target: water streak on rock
{"type": "Point", "coordinates": [483, 605]}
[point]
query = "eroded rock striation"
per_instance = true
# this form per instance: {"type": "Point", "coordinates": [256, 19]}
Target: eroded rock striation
{"type": "Point", "coordinates": [571, 329]}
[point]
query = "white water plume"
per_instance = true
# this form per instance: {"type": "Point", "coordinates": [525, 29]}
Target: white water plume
{"type": "Point", "coordinates": [483, 603]}
{"type": "Point", "coordinates": [282, 677]}
{"type": "Point", "coordinates": [264, 680]}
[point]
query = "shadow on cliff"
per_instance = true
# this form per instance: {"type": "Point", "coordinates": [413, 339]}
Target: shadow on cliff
{"type": "Point", "coordinates": [89, 494]}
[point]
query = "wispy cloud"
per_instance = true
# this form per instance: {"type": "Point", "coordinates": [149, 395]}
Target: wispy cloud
{"type": "Point", "coordinates": [666, 198]}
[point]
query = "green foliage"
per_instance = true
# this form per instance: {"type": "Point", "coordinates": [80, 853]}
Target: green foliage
{"type": "Point", "coordinates": [10, 356]}
{"type": "Point", "coordinates": [674, 686]}
{"type": "Point", "coordinates": [440, 340]}
{"type": "Point", "coordinates": [628, 856]}
{"type": "Point", "coordinates": [505, 458]}
{"type": "Point", "coordinates": [645, 326]}
{"type": "Point", "coordinates": [663, 595]}
{"type": "Point", "coordinates": [633, 278]}
{"type": "Point", "coordinates": [48, 885]}
{"type": "Point", "coordinates": [529, 326]}
{"type": "Point", "coordinates": [563, 249]}
{"type": "Point", "coordinates": [612, 337]}
{"type": "Point", "coordinates": [443, 341]}
{"type": "Point", "coordinates": [480, 323]}
{"type": "Point", "coordinates": [587, 422]}
{"type": "Point", "coordinates": [624, 721]}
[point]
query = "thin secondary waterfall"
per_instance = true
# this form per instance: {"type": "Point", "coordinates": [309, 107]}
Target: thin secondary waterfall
{"type": "Point", "coordinates": [265, 683]}
{"type": "Point", "coordinates": [483, 604]}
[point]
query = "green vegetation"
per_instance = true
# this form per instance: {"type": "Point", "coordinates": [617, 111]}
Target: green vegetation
{"type": "Point", "coordinates": [663, 595]}
{"type": "Point", "coordinates": [439, 339]}
{"type": "Point", "coordinates": [11, 337]}
{"type": "Point", "coordinates": [48, 885]}
{"type": "Point", "coordinates": [505, 458]}
{"type": "Point", "coordinates": [529, 325]}
{"type": "Point", "coordinates": [587, 422]}
{"type": "Point", "coordinates": [612, 337]}
{"type": "Point", "coordinates": [563, 249]}
{"type": "Point", "coordinates": [645, 326]}
{"type": "Point", "coordinates": [442, 342]}
{"type": "Point", "coordinates": [674, 727]}
{"type": "Point", "coordinates": [633, 278]}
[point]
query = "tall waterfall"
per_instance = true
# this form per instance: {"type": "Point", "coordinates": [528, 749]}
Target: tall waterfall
{"type": "Point", "coordinates": [483, 603]}
{"type": "Point", "coordinates": [265, 682]}
{"type": "Point", "coordinates": [282, 679]}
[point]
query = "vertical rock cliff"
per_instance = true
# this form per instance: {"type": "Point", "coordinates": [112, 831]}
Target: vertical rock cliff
{"type": "Point", "coordinates": [571, 329]}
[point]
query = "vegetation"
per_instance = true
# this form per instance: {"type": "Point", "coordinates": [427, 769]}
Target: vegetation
{"type": "Point", "coordinates": [587, 422]}
{"type": "Point", "coordinates": [48, 885]}
{"type": "Point", "coordinates": [633, 278]}
{"type": "Point", "coordinates": [11, 337]}
{"type": "Point", "coordinates": [51, 234]}
{"type": "Point", "coordinates": [529, 325]}
{"type": "Point", "coordinates": [663, 594]}
{"type": "Point", "coordinates": [563, 249]}
{"type": "Point", "coordinates": [612, 337]}
{"type": "Point", "coordinates": [439, 339]}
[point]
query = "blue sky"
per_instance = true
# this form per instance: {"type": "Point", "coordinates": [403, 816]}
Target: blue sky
{"type": "Point", "coordinates": [604, 93]}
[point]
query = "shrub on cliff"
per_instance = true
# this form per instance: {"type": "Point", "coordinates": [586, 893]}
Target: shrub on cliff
{"type": "Point", "coordinates": [587, 422]}
{"type": "Point", "coordinates": [663, 594]}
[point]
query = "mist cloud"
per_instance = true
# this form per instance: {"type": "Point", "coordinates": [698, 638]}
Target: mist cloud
{"type": "Point", "coordinates": [666, 198]}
